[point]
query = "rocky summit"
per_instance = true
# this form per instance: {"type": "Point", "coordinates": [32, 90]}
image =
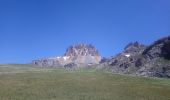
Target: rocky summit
{"type": "Point", "coordinates": [75, 56]}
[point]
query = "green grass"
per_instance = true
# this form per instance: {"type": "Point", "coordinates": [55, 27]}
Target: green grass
{"type": "Point", "coordinates": [20, 82]}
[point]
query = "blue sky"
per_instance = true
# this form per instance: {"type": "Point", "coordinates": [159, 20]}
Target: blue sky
{"type": "Point", "coordinates": [32, 29]}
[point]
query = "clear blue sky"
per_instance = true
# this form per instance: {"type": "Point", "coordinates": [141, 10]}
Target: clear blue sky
{"type": "Point", "coordinates": [31, 29]}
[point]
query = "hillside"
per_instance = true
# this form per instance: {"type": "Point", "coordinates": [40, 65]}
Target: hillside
{"type": "Point", "coordinates": [140, 60]}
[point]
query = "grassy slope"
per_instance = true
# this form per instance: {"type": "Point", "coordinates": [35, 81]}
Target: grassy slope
{"type": "Point", "coordinates": [18, 82]}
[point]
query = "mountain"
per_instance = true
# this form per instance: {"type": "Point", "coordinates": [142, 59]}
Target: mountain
{"type": "Point", "coordinates": [155, 59]}
{"type": "Point", "coordinates": [141, 60]}
{"type": "Point", "coordinates": [75, 56]}
{"type": "Point", "coordinates": [125, 62]}
{"type": "Point", "coordinates": [135, 59]}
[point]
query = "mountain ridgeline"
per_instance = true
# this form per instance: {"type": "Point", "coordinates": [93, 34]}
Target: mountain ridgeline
{"type": "Point", "coordinates": [135, 59]}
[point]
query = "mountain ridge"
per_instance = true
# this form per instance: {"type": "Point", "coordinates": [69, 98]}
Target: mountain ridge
{"type": "Point", "coordinates": [136, 59]}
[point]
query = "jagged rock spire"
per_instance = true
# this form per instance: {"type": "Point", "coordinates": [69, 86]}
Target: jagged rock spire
{"type": "Point", "coordinates": [82, 49]}
{"type": "Point", "coordinates": [83, 54]}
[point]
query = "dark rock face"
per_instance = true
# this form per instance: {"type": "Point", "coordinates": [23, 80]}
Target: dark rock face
{"type": "Point", "coordinates": [160, 48]}
{"type": "Point", "coordinates": [157, 57]}
{"type": "Point", "coordinates": [134, 48]}
{"type": "Point", "coordinates": [166, 48]}
{"type": "Point", "coordinates": [104, 60]}
{"type": "Point", "coordinates": [127, 61]}
{"type": "Point", "coordinates": [77, 54]}
{"type": "Point", "coordinates": [137, 59]}
{"type": "Point", "coordinates": [70, 66]}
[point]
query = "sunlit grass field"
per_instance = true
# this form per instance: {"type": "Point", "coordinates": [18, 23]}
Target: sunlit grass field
{"type": "Point", "coordinates": [24, 82]}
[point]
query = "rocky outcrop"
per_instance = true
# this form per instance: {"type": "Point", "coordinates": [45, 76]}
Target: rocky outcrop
{"type": "Point", "coordinates": [83, 54]}
{"type": "Point", "coordinates": [104, 59]}
{"type": "Point", "coordinates": [160, 48]}
{"type": "Point", "coordinates": [77, 55]}
{"type": "Point", "coordinates": [81, 49]}
{"type": "Point", "coordinates": [125, 62]}
{"type": "Point", "coordinates": [137, 59]}
{"type": "Point", "coordinates": [157, 59]}
{"type": "Point", "coordinates": [52, 61]}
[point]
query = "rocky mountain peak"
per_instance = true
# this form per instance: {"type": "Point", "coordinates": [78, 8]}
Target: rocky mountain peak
{"type": "Point", "coordinates": [133, 47]}
{"type": "Point", "coordinates": [79, 54]}
{"type": "Point", "coordinates": [82, 49]}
